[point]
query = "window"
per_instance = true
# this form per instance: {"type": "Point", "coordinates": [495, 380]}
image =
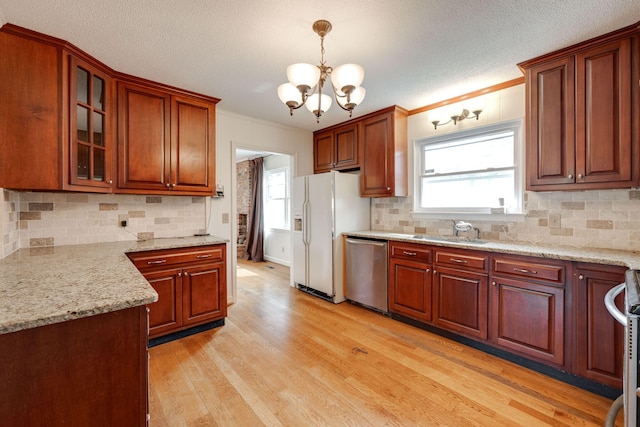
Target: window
{"type": "Point", "coordinates": [276, 194]}
{"type": "Point", "coordinates": [478, 171]}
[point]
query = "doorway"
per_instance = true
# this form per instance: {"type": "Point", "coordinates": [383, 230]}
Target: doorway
{"type": "Point", "coordinates": [277, 179]}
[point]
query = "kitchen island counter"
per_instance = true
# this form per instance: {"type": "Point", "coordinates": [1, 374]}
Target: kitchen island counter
{"type": "Point", "coordinates": [46, 285]}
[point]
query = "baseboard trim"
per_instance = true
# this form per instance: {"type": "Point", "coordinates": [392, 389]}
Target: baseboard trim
{"type": "Point", "coordinates": [185, 333]}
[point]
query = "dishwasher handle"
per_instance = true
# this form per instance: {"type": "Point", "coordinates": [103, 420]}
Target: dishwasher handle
{"type": "Point", "coordinates": [365, 242]}
{"type": "Point", "coordinates": [610, 304]}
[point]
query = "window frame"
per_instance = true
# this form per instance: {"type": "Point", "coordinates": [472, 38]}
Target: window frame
{"type": "Point", "coordinates": [287, 198]}
{"type": "Point", "coordinates": [514, 212]}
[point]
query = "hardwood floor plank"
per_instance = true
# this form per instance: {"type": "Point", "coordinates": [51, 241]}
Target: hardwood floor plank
{"type": "Point", "coordinates": [286, 358]}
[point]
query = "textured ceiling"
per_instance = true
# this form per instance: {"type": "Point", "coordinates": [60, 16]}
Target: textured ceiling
{"type": "Point", "coordinates": [414, 52]}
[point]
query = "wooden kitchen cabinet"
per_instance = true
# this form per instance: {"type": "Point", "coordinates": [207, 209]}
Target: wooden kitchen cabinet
{"type": "Point", "coordinates": [599, 338]}
{"type": "Point", "coordinates": [581, 132]}
{"type": "Point", "coordinates": [336, 149]}
{"type": "Point", "coordinates": [84, 372]}
{"type": "Point", "coordinates": [165, 141]}
{"type": "Point", "coordinates": [56, 115]}
{"type": "Point", "coordinates": [383, 153]}
{"type": "Point", "coordinates": [191, 286]}
{"type": "Point", "coordinates": [410, 280]}
{"type": "Point", "coordinates": [165, 315]}
{"type": "Point", "coordinates": [64, 123]}
{"type": "Point", "coordinates": [92, 126]}
{"type": "Point", "coordinates": [527, 307]}
{"type": "Point", "coordinates": [460, 292]}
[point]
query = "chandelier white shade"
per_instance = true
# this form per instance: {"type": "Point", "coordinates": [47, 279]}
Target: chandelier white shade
{"type": "Point", "coordinates": [306, 82]}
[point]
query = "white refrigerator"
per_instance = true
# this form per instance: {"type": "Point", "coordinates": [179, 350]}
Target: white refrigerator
{"type": "Point", "coordinates": [323, 207]}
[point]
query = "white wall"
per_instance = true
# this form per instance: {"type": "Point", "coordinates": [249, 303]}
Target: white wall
{"type": "Point", "coordinates": [237, 131]}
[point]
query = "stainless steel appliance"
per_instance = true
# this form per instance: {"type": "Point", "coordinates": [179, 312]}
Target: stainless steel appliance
{"type": "Point", "coordinates": [366, 278]}
{"type": "Point", "coordinates": [629, 399]}
{"type": "Point", "coordinates": [324, 206]}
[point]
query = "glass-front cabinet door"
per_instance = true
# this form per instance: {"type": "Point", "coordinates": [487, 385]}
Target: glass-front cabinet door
{"type": "Point", "coordinates": [90, 133]}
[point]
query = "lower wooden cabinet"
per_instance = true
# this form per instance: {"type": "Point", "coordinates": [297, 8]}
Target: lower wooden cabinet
{"type": "Point", "coordinates": [528, 318]}
{"type": "Point", "coordinates": [527, 300]}
{"type": "Point", "coordinates": [599, 338]}
{"type": "Point", "coordinates": [460, 301]}
{"type": "Point", "coordinates": [546, 310]}
{"type": "Point", "coordinates": [409, 286]}
{"type": "Point", "coordinates": [191, 286]}
{"type": "Point", "coordinates": [91, 371]}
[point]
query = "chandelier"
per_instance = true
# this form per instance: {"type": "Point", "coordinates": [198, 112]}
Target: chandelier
{"type": "Point", "coordinates": [306, 82]}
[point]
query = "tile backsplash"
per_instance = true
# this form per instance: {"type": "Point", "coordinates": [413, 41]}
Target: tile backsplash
{"type": "Point", "coordinates": [586, 219]}
{"type": "Point", "coordinates": [31, 219]}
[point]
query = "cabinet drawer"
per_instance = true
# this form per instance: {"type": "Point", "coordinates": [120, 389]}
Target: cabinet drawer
{"type": "Point", "coordinates": [467, 260]}
{"type": "Point", "coordinates": [530, 269]}
{"type": "Point", "coordinates": [168, 257]}
{"type": "Point", "coordinates": [410, 251]}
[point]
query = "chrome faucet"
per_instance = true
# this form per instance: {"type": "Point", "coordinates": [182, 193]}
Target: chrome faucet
{"type": "Point", "coordinates": [464, 226]}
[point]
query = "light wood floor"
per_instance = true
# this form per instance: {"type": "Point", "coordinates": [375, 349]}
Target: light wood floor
{"type": "Point", "coordinates": [285, 358]}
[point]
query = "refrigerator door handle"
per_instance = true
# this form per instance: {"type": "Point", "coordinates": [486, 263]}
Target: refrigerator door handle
{"type": "Point", "coordinates": [305, 222]}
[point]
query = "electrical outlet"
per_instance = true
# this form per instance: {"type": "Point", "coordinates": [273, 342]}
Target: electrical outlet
{"type": "Point", "coordinates": [123, 220]}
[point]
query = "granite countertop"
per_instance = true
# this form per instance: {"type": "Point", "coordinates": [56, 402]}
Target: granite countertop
{"type": "Point", "coordinates": [41, 286]}
{"type": "Point", "coordinates": [629, 259]}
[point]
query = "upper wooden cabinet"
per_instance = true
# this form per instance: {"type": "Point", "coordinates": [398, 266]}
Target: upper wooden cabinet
{"type": "Point", "coordinates": [165, 141]}
{"type": "Point", "coordinates": [55, 115]}
{"type": "Point", "coordinates": [92, 130]}
{"type": "Point", "coordinates": [60, 114]}
{"type": "Point", "coordinates": [580, 106]}
{"type": "Point", "coordinates": [380, 139]}
{"type": "Point", "coordinates": [336, 149]}
{"type": "Point", "coordinates": [383, 153]}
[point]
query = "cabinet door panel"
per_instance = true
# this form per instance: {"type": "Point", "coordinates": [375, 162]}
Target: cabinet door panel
{"type": "Point", "coordinates": [600, 338]}
{"type": "Point", "coordinates": [143, 143]}
{"type": "Point", "coordinates": [323, 148]}
{"type": "Point", "coordinates": [166, 313]}
{"type": "Point", "coordinates": [551, 136]}
{"type": "Point", "coordinates": [410, 289]}
{"type": "Point", "coordinates": [204, 293]}
{"type": "Point", "coordinates": [92, 142]}
{"type": "Point", "coordinates": [528, 318]}
{"type": "Point", "coordinates": [191, 145]}
{"type": "Point", "coordinates": [346, 147]}
{"type": "Point", "coordinates": [376, 159]}
{"type": "Point", "coordinates": [30, 113]}
{"type": "Point", "coordinates": [603, 119]}
{"type": "Point", "coordinates": [460, 302]}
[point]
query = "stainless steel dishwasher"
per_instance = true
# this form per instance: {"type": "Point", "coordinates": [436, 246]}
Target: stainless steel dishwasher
{"type": "Point", "coordinates": [366, 281]}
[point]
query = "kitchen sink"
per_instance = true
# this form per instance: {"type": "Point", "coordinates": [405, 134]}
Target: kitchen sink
{"type": "Point", "coordinates": [454, 239]}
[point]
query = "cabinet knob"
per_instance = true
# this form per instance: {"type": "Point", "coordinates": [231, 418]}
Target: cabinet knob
{"type": "Point", "coordinates": [493, 283]}
{"type": "Point", "coordinates": [179, 274]}
{"type": "Point", "coordinates": [173, 185]}
{"type": "Point", "coordinates": [570, 176]}
{"type": "Point", "coordinates": [388, 188]}
{"type": "Point", "coordinates": [110, 182]}
{"type": "Point", "coordinates": [168, 185]}
{"type": "Point", "coordinates": [427, 270]}
{"type": "Point", "coordinates": [581, 277]}
{"type": "Point", "coordinates": [579, 176]}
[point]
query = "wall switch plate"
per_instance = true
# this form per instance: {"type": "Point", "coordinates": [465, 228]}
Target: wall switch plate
{"type": "Point", "coordinates": [225, 218]}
